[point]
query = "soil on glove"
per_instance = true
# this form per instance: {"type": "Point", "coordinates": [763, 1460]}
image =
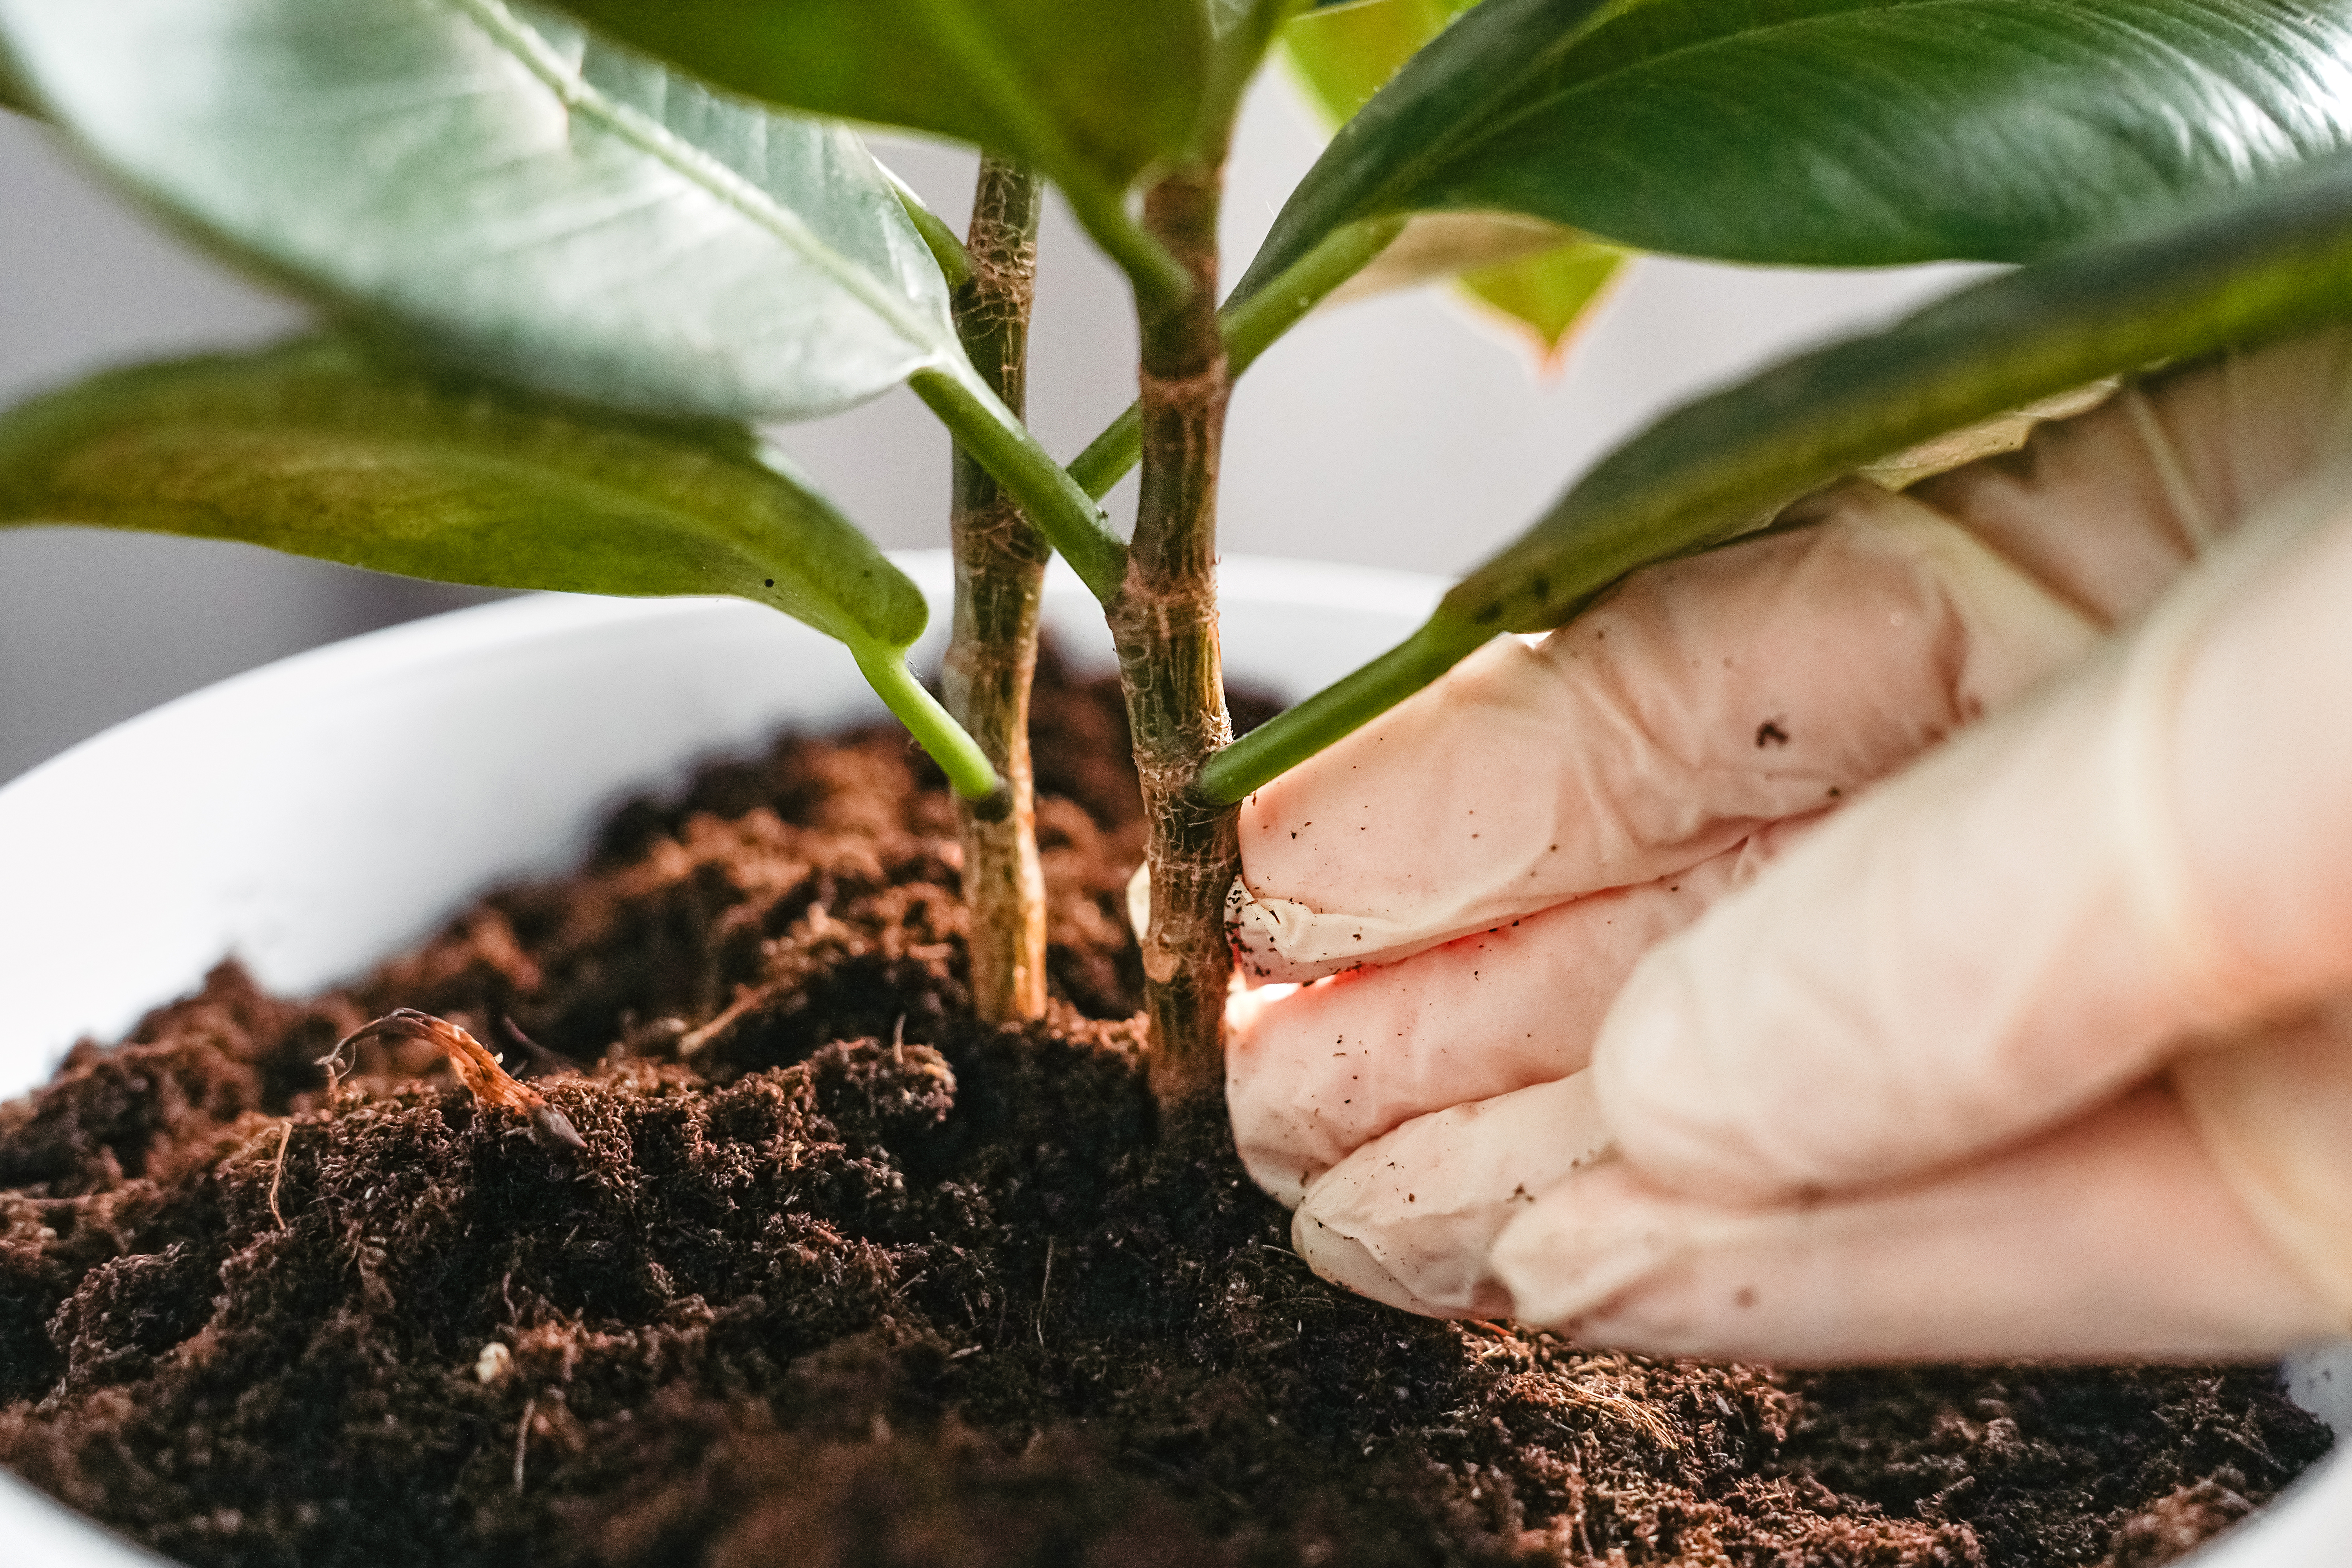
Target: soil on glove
{"type": "Point", "coordinates": [844, 1277]}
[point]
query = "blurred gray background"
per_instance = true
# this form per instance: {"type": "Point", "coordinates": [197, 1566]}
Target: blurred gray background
{"type": "Point", "coordinates": [1405, 431]}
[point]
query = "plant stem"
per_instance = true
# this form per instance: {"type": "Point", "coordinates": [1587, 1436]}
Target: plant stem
{"type": "Point", "coordinates": [1164, 621]}
{"type": "Point", "coordinates": [1000, 575]}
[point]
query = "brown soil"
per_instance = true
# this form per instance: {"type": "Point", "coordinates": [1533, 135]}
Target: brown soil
{"type": "Point", "coordinates": [844, 1277]}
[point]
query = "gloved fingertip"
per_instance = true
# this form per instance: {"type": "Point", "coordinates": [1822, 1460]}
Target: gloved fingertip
{"type": "Point", "coordinates": [1347, 1261]}
{"type": "Point", "coordinates": [1566, 1258]}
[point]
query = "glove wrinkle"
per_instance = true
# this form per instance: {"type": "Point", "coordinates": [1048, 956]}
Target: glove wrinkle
{"type": "Point", "coordinates": [2276, 1114]}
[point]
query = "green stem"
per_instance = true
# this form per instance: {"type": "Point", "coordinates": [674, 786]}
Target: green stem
{"type": "Point", "coordinates": [1000, 575]}
{"type": "Point", "coordinates": [1292, 737]}
{"type": "Point", "coordinates": [1000, 443]}
{"type": "Point", "coordinates": [1251, 325]}
{"type": "Point", "coordinates": [959, 756]}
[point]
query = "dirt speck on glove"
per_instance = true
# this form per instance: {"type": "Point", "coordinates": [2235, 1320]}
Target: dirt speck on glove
{"type": "Point", "coordinates": [843, 1277]}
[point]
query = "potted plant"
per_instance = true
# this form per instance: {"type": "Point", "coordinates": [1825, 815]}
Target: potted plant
{"type": "Point", "coordinates": [571, 259]}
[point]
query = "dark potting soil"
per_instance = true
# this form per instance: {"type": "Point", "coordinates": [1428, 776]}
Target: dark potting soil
{"type": "Point", "coordinates": [844, 1277]}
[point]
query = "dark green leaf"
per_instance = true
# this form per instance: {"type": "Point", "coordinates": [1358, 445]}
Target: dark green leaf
{"type": "Point", "coordinates": [1838, 132]}
{"type": "Point", "coordinates": [318, 450]}
{"type": "Point", "coordinates": [1089, 94]}
{"type": "Point", "coordinates": [1535, 274]}
{"type": "Point", "coordinates": [2261, 266]}
{"type": "Point", "coordinates": [514, 198]}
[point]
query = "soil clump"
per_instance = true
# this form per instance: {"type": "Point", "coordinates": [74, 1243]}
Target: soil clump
{"type": "Point", "coordinates": [844, 1277]}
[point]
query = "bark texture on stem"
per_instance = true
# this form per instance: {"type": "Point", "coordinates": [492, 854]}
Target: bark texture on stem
{"type": "Point", "coordinates": [1000, 562]}
{"type": "Point", "coordinates": [1165, 624]}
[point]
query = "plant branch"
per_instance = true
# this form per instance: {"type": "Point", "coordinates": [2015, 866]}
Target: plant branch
{"type": "Point", "coordinates": [1000, 574]}
{"type": "Point", "coordinates": [1291, 737]}
{"type": "Point", "coordinates": [996, 438]}
{"type": "Point", "coordinates": [1251, 324]}
{"type": "Point", "coordinates": [966, 765]}
{"type": "Point", "coordinates": [1164, 622]}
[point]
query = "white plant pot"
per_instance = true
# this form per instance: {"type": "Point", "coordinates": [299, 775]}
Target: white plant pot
{"type": "Point", "coordinates": [316, 815]}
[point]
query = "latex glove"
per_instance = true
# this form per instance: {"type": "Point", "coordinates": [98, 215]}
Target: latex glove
{"type": "Point", "coordinates": [1665, 1037]}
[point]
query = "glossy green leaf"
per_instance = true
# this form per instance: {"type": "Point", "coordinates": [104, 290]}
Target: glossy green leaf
{"type": "Point", "coordinates": [1536, 274]}
{"type": "Point", "coordinates": [321, 448]}
{"type": "Point", "coordinates": [1837, 132]}
{"type": "Point", "coordinates": [1091, 95]}
{"type": "Point", "coordinates": [507, 194]}
{"type": "Point", "coordinates": [318, 448]}
{"type": "Point", "coordinates": [2257, 269]}
{"type": "Point", "coordinates": [2261, 266]}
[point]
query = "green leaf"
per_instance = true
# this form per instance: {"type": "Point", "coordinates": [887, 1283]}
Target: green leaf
{"type": "Point", "coordinates": [1342, 55]}
{"type": "Point", "coordinates": [1240, 33]}
{"type": "Point", "coordinates": [1090, 95]}
{"type": "Point", "coordinates": [2261, 266]}
{"type": "Point", "coordinates": [1836, 131]}
{"type": "Point", "coordinates": [514, 198]}
{"type": "Point", "coordinates": [1547, 295]}
{"type": "Point", "coordinates": [320, 448]}
{"type": "Point", "coordinates": [2256, 269]}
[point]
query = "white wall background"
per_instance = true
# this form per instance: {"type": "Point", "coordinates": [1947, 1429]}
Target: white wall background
{"type": "Point", "coordinates": [1400, 432]}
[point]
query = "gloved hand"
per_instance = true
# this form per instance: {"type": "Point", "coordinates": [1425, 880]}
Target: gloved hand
{"type": "Point", "coordinates": [1696, 995]}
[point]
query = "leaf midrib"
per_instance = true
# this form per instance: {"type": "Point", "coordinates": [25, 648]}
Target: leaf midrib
{"type": "Point", "coordinates": [523, 43]}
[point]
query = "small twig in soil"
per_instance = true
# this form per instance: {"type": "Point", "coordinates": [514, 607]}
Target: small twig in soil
{"type": "Point", "coordinates": [694, 1040]}
{"type": "Point", "coordinates": [522, 1439]}
{"type": "Point", "coordinates": [278, 1173]}
{"type": "Point", "coordinates": [479, 1071]}
{"type": "Point", "coordinates": [1043, 1291]}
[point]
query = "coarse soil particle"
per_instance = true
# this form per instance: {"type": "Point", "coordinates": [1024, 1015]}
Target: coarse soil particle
{"type": "Point", "coordinates": [844, 1277]}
